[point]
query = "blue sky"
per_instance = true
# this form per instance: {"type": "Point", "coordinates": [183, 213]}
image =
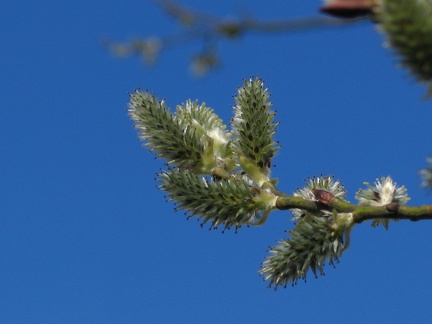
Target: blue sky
{"type": "Point", "coordinates": [85, 237]}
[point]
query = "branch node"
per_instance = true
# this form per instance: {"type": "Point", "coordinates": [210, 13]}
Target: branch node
{"type": "Point", "coordinates": [392, 207]}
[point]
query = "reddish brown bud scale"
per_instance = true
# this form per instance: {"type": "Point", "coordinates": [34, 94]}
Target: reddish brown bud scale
{"type": "Point", "coordinates": [348, 8]}
{"type": "Point", "coordinates": [323, 196]}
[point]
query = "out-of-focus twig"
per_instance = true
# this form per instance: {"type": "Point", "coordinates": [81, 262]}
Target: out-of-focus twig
{"type": "Point", "coordinates": [210, 30]}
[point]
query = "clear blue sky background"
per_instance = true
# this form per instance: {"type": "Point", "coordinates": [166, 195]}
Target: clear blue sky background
{"type": "Point", "coordinates": [85, 237]}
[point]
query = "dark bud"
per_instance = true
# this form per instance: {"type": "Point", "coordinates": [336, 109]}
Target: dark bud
{"type": "Point", "coordinates": [392, 207]}
{"type": "Point", "coordinates": [323, 196]}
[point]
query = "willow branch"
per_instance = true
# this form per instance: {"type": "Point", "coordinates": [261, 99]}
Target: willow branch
{"type": "Point", "coordinates": [360, 213]}
{"type": "Point", "coordinates": [391, 211]}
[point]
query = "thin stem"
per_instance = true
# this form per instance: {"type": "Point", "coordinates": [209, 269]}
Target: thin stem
{"type": "Point", "coordinates": [236, 27]}
{"type": "Point", "coordinates": [360, 213]}
{"type": "Point", "coordinates": [289, 202]}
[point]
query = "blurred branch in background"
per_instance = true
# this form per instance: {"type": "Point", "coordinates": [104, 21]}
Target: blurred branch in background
{"type": "Point", "coordinates": [210, 30]}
